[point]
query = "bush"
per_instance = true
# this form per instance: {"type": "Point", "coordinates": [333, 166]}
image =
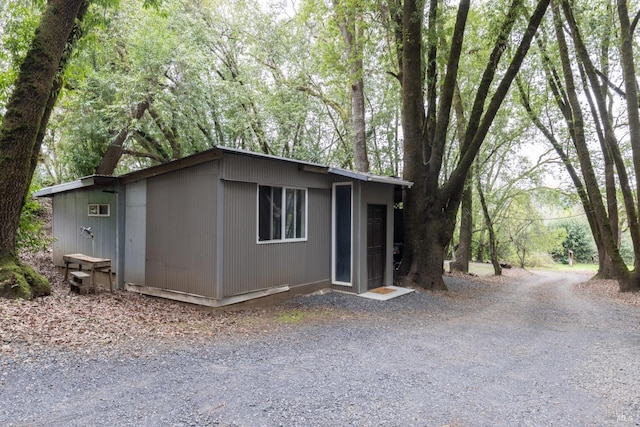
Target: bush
{"type": "Point", "coordinates": [32, 234]}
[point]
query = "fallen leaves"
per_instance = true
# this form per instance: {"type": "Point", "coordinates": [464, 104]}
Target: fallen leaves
{"type": "Point", "coordinates": [610, 290]}
{"type": "Point", "coordinates": [123, 320]}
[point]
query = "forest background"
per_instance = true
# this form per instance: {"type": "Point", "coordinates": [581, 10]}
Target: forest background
{"type": "Point", "coordinates": [522, 150]}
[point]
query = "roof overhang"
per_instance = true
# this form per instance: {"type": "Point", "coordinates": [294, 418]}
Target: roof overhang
{"type": "Point", "coordinates": [369, 177]}
{"type": "Point", "coordinates": [82, 183]}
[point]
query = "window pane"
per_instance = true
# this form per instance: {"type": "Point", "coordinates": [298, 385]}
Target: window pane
{"type": "Point", "coordinates": [264, 213]}
{"type": "Point", "coordinates": [276, 213]}
{"type": "Point", "coordinates": [290, 221]}
{"type": "Point", "coordinates": [342, 237]}
{"type": "Point", "coordinates": [301, 214]}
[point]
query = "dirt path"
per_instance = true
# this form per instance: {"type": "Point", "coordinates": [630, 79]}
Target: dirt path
{"type": "Point", "coordinates": [529, 352]}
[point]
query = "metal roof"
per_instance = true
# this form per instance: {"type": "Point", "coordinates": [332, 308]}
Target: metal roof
{"type": "Point", "coordinates": [85, 182]}
{"type": "Point", "coordinates": [361, 176]}
{"type": "Point", "coordinates": [369, 177]}
{"type": "Point", "coordinates": [202, 157]}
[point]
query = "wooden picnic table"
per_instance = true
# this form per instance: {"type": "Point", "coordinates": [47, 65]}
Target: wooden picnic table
{"type": "Point", "coordinates": [92, 264]}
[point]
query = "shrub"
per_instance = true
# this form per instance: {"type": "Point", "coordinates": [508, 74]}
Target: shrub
{"type": "Point", "coordinates": [32, 234]}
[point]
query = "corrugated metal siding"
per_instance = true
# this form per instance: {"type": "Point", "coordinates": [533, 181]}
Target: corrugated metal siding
{"type": "Point", "coordinates": [366, 193]}
{"type": "Point", "coordinates": [271, 172]}
{"type": "Point", "coordinates": [180, 237]}
{"type": "Point", "coordinates": [375, 194]}
{"type": "Point", "coordinates": [135, 232]}
{"type": "Point", "coordinates": [71, 213]}
{"type": "Point", "coordinates": [249, 266]}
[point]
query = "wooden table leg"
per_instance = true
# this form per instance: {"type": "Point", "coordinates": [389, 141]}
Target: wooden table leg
{"type": "Point", "coordinates": [110, 284]}
{"type": "Point", "coordinates": [66, 271]}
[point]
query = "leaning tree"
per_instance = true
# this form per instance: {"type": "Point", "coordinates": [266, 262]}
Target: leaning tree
{"type": "Point", "coordinates": [27, 113]}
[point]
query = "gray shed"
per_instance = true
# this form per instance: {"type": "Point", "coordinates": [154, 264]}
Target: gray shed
{"type": "Point", "coordinates": [225, 226]}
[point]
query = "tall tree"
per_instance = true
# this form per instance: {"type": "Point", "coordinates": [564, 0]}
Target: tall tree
{"type": "Point", "coordinates": [432, 203]}
{"type": "Point", "coordinates": [573, 77]}
{"type": "Point", "coordinates": [27, 113]}
{"type": "Point", "coordinates": [349, 19]}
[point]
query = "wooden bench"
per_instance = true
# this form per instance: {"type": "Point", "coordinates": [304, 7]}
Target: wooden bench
{"type": "Point", "coordinates": [91, 264]}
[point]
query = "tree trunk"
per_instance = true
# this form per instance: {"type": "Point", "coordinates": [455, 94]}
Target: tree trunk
{"type": "Point", "coordinates": [466, 228]}
{"type": "Point", "coordinates": [433, 201]}
{"type": "Point", "coordinates": [493, 244]}
{"type": "Point", "coordinates": [481, 245]}
{"type": "Point", "coordinates": [631, 89]}
{"type": "Point", "coordinates": [348, 18]}
{"type": "Point", "coordinates": [115, 150]}
{"type": "Point", "coordinates": [21, 125]}
{"type": "Point", "coordinates": [595, 88]}
{"type": "Point", "coordinates": [466, 208]}
{"type": "Point", "coordinates": [575, 119]}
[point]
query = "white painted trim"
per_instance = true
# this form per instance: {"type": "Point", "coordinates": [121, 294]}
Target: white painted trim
{"type": "Point", "coordinates": [333, 234]}
{"type": "Point", "coordinates": [201, 300]}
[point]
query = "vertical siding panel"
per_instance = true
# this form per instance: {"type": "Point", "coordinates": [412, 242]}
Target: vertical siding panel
{"type": "Point", "coordinates": [71, 213]}
{"type": "Point", "coordinates": [181, 230]}
{"type": "Point", "coordinates": [64, 226]}
{"type": "Point", "coordinates": [318, 263]}
{"type": "Point", "coordinates": [375, 194]}
{"type": "Point", "coordinates": [271, 172]}
{"type": "Point", "coordinates": [249, 266]}
{"type": "Point", "coordinates": [135, 232]}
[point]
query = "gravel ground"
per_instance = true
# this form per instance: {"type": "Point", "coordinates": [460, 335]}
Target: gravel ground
{"type": "Point", "coordinates": [525, 351]}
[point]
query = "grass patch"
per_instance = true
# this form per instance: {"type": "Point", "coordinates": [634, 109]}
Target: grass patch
{"type": "Point", "coordinates": [577, 267]}
{"type": "Point", "coordinates": [294, 316]}
{"type": "Point", "coordinates": [480, 268]}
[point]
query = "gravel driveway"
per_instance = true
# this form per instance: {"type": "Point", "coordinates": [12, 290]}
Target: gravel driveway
{"type": "Point", "coordinates": [528, 353]}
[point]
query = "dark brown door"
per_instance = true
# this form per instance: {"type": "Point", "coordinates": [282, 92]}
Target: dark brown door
{"type": "Point", "coordinates": [376, 244]}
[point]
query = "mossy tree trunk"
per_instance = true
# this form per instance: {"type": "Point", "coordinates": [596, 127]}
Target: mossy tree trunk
{"type": "Point", "coordinates": [22, 130]}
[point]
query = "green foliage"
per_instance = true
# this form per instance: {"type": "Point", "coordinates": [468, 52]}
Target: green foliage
{"type": "Point", "coordinates": [529, 239]}
{"type": "Point", "coordinates": [578, 239]}
{"type": "Point", "coordinates": [32, 235]}
{"type": "Point", "coordinates": [18, 22]}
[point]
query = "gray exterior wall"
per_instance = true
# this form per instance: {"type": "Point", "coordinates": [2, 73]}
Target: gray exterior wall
{"type": "Point", "coordinates": [135, 232]}
{"type": "Point", "coordinates": [70, 212]}
{"type": "Point", "coordinates": [364, 194]}
{"type": "Point", "coordinates": [250, 266]}
{"type": "Point", "coordinates": [270, 172]}
{"type": "Point", "coordinates": [181, 230]}
{"type": "Point", "coordinates": [374, 194]}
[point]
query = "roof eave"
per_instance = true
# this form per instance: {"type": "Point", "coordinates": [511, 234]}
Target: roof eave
{"type": "Point", "coordinates": [370, 178]}
{"type": "Point", "coordinates": [85, 182]}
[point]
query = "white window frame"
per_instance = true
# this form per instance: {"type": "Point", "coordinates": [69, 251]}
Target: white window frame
{"type": "Point", "coordinates": [94, 209]}
{"type": "Point", "coordinates": [333, 234]}
{"type": "Point", "coordinates": [283, 219]}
